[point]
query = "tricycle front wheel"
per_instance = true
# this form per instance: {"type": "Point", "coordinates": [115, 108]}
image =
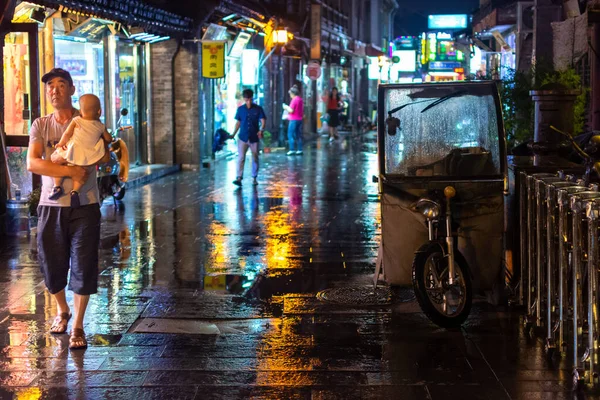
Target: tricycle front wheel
{"type": "Point", "coordinates": [445, 305]}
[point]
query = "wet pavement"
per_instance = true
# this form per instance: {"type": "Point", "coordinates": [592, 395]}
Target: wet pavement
{"type": "Point", "coordinates": [209, 292]}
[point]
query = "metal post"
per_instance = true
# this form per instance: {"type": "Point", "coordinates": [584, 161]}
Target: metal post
{"type": "Point", "coordinates": [563, 260]}
{"type": "Point", "coordinates": [577, 280]}
{"type": "Point", "coordinates": [280, 100]}
{"type": "Point", "coordinates": [550, 262]}
{"type": "Point", "coordinates": [523, 235]}
{"type": "Point", "coordinates": [539, 250]}
{"type": "Point", "coordinates": [592, 216]}
{"type": "Point", "coordinates": [530, 243]}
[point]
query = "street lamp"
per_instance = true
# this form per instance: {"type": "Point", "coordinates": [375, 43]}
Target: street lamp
{"type": "Point", "coordinates": [280, 39]}
{"type": "Point", "coordinates": [280, 36]}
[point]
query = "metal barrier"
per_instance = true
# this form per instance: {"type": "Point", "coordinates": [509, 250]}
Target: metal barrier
{"type": "Point", "coordinates": [560, 255]}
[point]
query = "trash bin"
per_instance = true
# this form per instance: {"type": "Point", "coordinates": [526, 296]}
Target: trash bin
{"type": "Point", "coordinates": [17, 218]}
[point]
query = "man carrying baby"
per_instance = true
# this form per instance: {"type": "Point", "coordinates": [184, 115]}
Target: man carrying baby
{"type": "Point", "coordinates": [82, 144]}
{"type": "Point", "coordinates": [68, 237]}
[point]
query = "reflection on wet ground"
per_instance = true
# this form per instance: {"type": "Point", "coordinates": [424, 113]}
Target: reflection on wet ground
{"type": "Point", "coordinates": [208, 291]}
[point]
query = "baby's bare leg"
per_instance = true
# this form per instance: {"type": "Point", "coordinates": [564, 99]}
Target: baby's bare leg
{"type": "Point", "coordinates": [57, 190]}
{"type": "Point", "coordinates": [77, 186]}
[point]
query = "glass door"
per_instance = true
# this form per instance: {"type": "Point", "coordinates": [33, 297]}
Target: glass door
{"type": "Point", "coordinates": [130, 93]}
{"type": "Point", "coordinates": [141, 116]}
{"type": "Point", "coordinates": [21, 103]}
{"type": "Point", "coordinates": [85, 62]}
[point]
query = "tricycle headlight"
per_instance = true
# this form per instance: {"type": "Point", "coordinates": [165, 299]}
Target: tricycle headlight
{"type": "Point", "coordinates": [429, 208]}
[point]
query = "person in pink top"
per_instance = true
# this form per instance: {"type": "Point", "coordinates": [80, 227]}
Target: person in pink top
{"type": "Point", "coordinates": [296, 113]}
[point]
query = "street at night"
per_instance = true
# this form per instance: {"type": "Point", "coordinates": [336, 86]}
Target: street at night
{"type": "Point", "coordinates": [208, 291]}
{"type": "Point", "coordinates": [300, 199]}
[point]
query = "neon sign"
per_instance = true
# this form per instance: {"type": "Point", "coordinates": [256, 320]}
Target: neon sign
{"type": "Point", "coordinates": [458, 21]}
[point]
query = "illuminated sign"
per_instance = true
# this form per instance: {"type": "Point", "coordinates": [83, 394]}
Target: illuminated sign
{"type": "Point", "coordinates": [459, 21]}
{"type": "Point", "coordinates": [444, 36]}
{"type": "Point", "coordinates": [239, 44]}
{"type": "Point", "coordinates": [213, 59]}
{"type": "Point", "coordinates": [250, 61]}
{"type": "Point", "coordinates": [443, 65]}
{"type": "Point", "coordinates": [432, 46]}
{"type": "Point", "coordinates": [385, 72]}
{"type": "Point", "coordinates": [405, 42]}
{"type": "Point", "coordinates": [91, 29]}
{"type": "Point", "coordinates": [374, 68]}
{"type": "Point", "coordinates": [215, 32]}
{"type": "Point", "coordinates": [408, 60]}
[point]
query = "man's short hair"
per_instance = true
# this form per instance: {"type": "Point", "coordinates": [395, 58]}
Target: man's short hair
{"type": "Point", "coordinates": [248, 94]}
{"type": "Point", "coordinates": [57, 73]}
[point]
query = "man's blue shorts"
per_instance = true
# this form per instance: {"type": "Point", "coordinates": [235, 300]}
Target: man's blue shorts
{"type": "Point", "coordinates": [69, 238]}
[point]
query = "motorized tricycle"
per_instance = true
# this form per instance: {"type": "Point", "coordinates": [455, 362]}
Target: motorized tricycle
{"type": "Point", "coordinates": [442, 169]}
{"type": "Point", "coordinates": [113, 175]}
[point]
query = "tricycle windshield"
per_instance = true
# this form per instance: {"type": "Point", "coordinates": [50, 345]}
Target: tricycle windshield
{"type": "Point", "coordinates": [442, 131]}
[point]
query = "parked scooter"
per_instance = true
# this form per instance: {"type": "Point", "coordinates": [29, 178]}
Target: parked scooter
{"type": "Point", "coordinates": [441, 277]}
{"type": "Point", "coordinates": [113, 175]}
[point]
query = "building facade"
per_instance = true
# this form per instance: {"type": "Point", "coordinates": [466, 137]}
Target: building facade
{"type": "Point", "coordinates": [518, 35]}
{"type": "Point", "coordinates": [146, 56]}
{"type": "Point", "coordinates": [107, 49]}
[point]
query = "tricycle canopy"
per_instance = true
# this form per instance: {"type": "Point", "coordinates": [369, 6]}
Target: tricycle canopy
{"type": "Point", "coordinates": [431, 136]}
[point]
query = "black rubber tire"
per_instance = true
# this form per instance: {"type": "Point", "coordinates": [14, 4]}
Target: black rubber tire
{"type": "Point", "coordinates": [421, 257]}
{"type": "Point", "coordinates": [120, 194]}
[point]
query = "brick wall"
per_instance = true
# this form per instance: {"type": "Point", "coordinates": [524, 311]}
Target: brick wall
{"type": "Point", "coordinates": [185, 138]}
{"type": "Point", "coordinates": [162, 100]}
{"type": "Point", "coordinates": [186, 105]}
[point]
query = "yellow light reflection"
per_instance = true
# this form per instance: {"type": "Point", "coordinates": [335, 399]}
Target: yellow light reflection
{"type": "Point", "coordinates": [29, 394]}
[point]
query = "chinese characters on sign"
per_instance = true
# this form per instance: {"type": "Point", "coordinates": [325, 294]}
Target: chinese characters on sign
{"type": "Point", "coordinates": [213, 59]}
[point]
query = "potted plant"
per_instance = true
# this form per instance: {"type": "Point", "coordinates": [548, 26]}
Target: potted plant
{"type": "Point", "coordinates": [267, 141]}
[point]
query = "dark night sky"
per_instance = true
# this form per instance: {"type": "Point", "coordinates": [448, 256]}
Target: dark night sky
{"type": "Point", "coordinates": [411, 19]}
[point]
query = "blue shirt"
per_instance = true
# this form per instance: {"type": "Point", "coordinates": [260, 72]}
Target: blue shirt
{"type": "Point", "coordinates": [249, 121]}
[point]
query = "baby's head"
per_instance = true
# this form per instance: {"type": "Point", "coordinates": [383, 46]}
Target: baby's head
{"type": "Point", "coordinates": [89, 106]}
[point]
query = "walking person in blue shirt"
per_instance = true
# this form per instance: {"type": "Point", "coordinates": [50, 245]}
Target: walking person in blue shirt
{"type": "Point", "coordinates": [251, 121]}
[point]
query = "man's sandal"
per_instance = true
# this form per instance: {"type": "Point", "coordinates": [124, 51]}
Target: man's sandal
{"type": "Point", "coordinates": [77, 339]}
{"type": "Point", "coordinates": [59, 325]}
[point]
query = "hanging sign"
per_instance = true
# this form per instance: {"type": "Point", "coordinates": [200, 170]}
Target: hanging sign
{"type": "Point", "coordinates": [213, 59]}
{"type": "Point", "coordinates": [239, 44]}
{"type": "Point", "coordinates": [313, 70]}
{"type": "Point", "coordinates": [501, 41]}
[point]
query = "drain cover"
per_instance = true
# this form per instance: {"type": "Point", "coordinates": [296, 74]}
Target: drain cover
{"type": "Point", "coordinates": [364, 295]}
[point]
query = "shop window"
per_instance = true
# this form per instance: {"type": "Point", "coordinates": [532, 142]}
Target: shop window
{"type": "Point", "coordinates": [85, 62]}
{"type": "Point", "coordinates": [16, 83]}
{"type": "Point", "coordinates": [16, 106]}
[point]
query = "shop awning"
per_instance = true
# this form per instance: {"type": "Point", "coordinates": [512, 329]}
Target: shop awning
{"type": "Point", "coordinates": [482, 45]}
{"type": "Point", "coordinates": [372, 51]}
{"type": "Point", "coordinates": [132, 12]}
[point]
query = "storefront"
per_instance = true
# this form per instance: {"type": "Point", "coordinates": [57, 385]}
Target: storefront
{"type": "Point", "coordinates": [496, 61]}
{"type": "Point", "coordinates": [441, 58]}
{"type": "Point", "coordinates": [241, 73]}
{"type": "Point", "coordinates": [103, 57]}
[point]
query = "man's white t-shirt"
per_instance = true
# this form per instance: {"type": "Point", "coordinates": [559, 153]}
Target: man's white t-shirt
{"type": "Point", "coordinates": [48, 131]}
